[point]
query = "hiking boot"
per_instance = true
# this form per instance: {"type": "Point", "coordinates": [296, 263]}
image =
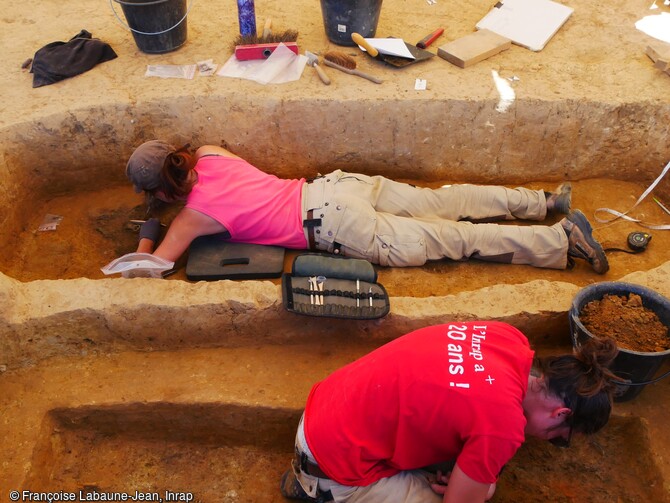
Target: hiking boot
{"type": "Point", "coordinates": [560, 200]}
{"type": "Point", "coordinates": [290, 487]}
{"type": "Point", "coordinates": [582, 244]}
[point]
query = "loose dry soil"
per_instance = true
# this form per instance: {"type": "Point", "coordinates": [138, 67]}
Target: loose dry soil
{"type": "Point", "coordinates": [627, 321]}
{"type": "Point", "coordinates": [589, 103]}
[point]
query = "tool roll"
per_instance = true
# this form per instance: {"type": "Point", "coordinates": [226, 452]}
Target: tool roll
{"type": "Point", "coordinates": [336, 287]}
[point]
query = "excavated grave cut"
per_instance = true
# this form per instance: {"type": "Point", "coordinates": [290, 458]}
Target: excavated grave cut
{"type": "Point", "coordinates": [96, 228]}
{"type": "Point", "coordinates": [235, 453]}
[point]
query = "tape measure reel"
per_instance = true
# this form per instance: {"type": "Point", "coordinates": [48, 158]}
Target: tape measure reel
{"type": "Point", "coordinates": [638, 241]}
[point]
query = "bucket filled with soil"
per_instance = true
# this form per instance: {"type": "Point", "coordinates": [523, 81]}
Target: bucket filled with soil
{"type": "Point", "coordinates": [636, 317]}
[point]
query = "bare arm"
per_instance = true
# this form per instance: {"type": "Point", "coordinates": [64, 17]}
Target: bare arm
{"type": "Point", "coordinates": [186, 226]}
{"type": "Point", "coordinates": [463, 489]}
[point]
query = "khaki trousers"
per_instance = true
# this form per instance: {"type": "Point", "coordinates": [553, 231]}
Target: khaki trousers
{"type": "Point", "coordinates": [404, 487]}
{"type": "Point", "coordinates": [396, 224]}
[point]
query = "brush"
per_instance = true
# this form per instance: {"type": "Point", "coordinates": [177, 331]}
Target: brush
{"type": "Point", "coordinates": [313, 61]}
{"type": "Point", "coordinates": [347, 64]}
{"type": "Point", "coordinates": [255, 47]}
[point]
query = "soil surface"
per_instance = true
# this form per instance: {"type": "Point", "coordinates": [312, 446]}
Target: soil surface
{"type": "Point", "coordinates": [86, 460]}
{"type": "Point", "coordinates": [627, 321]}
{"type": "Point", "coordinates": [96, 228]}
{"type": "Point", "coordinates": [237, 453]}
{"type": "Point", "coordinates": [597, 57]}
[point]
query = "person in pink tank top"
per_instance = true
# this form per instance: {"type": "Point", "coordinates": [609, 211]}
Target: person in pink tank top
{"type": "Point", "coordinates": [355, 215]}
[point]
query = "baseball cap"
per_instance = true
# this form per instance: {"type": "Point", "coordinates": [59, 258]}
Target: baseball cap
{"type": "Point", "coordinates": [145, 165]}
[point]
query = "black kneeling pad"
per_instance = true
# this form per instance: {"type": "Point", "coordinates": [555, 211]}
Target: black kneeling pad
{"type": "Point", "coordinates": [212, 257]}
{"type": "Point", "coordinates": [335, 287]}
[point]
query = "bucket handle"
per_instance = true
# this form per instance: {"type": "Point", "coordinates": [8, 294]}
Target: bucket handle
{"type": "Point", "coordinates": [147, 3]}
{"type": "Point", "coordinates": [651, 381]}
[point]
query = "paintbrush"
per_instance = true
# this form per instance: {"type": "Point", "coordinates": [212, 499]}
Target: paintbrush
{"type": "Point", "coordinates": [347, 64]}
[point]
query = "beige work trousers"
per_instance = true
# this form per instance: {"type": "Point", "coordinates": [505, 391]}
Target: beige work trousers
{"type": "Point", "coordinates": [404, 487]}
{"type": "Point", "coordinates": [396, 224]}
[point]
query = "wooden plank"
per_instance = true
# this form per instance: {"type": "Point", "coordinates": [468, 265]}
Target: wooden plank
{"type": "Point", "coordinates": [660, 55]}
{"type": "Point", "coordinates": [473, 48]}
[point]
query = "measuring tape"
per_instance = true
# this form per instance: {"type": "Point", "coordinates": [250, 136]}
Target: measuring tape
{"type": "Point", "coordinates": [631, 219]}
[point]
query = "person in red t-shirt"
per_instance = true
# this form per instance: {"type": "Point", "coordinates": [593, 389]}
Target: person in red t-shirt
{"type": "Point", "coordinates": [464, 393]}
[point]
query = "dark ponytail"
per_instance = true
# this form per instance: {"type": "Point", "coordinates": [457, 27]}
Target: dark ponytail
{"type": "Point", "coordinates": [584, 381]}
{"type": "Point", "coordinates": [176, 182]}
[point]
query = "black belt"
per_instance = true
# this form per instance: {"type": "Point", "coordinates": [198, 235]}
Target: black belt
{"type": "Point", "coordinates": [306, 466]}
{"type": "Point", "coordinates": [310, 223]}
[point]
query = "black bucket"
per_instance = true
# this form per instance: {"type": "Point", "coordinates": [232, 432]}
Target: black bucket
{"type": "Point", "coordinates": [634, 366]}
{"type": "Point", "coordinates": [158, 26]}
{"type": "Point", "coordinates": [341, 18]}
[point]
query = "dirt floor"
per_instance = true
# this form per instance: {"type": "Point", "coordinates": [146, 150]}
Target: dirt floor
{"type": "Point", "coordinates": [85, 424]}
{"type": "Point", "coordinates": [96, 229]}
{"type": "Point", "coordinates": [164, 450]}
{"type": "Point", "coordinates": [131, 442]}
{"type": "Point", "coordinates": [590, 102]}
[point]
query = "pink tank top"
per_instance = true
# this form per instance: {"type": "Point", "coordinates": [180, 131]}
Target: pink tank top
{"type": "Point", "coordinates": [254, 206]}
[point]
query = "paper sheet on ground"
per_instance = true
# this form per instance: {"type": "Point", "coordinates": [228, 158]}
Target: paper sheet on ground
{"type": "Point", "coordinates": [282, 66]}
{"type": "Point", "coordinates": [138, 265]}
{"type": "Point", "coordinates": [390, 47]}
{"type": "Point", "coordinates": [528, 23]}
{"type": "Point", "coordinates": [657, 26]}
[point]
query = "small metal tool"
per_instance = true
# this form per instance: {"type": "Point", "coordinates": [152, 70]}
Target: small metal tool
{"type": "Point", "coordinates": [320, 280]}
{"type": "Point", "coordinates": [358, 293]}
{"type": "Point", "coordinates": [370, 296]}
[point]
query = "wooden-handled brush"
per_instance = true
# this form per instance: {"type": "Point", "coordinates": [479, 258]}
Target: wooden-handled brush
{"type": "Point", "coordinates": [346, 64]}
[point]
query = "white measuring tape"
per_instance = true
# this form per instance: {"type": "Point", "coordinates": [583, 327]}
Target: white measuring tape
{"type": "Point", "coordinates": [624, 215]}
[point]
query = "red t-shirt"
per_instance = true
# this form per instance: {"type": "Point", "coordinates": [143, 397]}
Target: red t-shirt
{"type": "Point", "coordinates": [446, 392]}
{"type": "Point", "coordinates": [253, 206]}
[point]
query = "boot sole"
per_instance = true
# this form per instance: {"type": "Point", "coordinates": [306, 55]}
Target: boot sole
{"type": "Point", "coordinates": [579, 219]}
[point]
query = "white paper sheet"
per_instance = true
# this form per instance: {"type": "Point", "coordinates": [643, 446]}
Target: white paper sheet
{"type": "Point", "coordinates": [657, 26]}
{"type": "Point", "coordinates": [390, 47]}
{"type": "Point", "coordinates": [528, 23]}
{"type": "Point", "coordinates": [282, 66]}
{"type": "Point", "coordinates": [138, 265]}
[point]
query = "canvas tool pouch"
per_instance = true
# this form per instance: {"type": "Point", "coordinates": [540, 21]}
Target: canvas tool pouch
{"type": "Point", "coordinates": [347, 288]}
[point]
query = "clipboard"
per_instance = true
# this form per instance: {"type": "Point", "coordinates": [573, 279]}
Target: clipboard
{"type": "Point", "coordinates": [528, 23]}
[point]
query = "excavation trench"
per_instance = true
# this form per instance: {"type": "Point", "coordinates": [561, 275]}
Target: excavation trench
{"type": "Point", "coordinates": [164, 384]}
{"type": "Point", "coordinates": [230, 452]}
